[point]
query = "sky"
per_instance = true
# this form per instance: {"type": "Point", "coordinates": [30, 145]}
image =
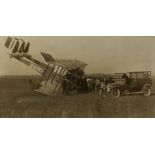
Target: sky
{"type": "Point", "coordinates": [102, 54]}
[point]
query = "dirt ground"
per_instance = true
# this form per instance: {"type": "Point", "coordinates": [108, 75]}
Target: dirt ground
{"type": "Point", "coordinates": [17, 100]}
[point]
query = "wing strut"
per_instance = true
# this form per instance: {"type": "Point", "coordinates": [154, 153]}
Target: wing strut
{"type": "Point", "coordinates": [44, 72]}
{"type": "Point", "coordinates": [49, 75]}
{"type": "Point", "coordinates": [59, 79]}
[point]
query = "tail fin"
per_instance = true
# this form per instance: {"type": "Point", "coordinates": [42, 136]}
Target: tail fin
{"type": "Point", "coordinates": [24, 48]}
{"type": "Point", "coordinates": [17, 45]}
{"type": "Point", "coordinates": [8, 42]}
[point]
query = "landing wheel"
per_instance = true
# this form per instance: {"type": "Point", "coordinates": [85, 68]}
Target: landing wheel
{"type": "Point", "coordinates": [147, 91]}
{"type": "Point", "coordinates": [116, 93]}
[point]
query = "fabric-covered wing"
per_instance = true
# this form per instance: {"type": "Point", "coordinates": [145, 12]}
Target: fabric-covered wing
{"type": "Point", "coordinates": [53, 75]}
{"type": "Point", "coordinates": [52, 80]}
{"type": "Point", "coordinates": [68, 64]}
{"type": "Point", "coordinates": [71, 64]}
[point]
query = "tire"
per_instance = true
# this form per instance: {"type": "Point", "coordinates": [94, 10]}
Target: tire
{"type": "Point", "coordinates": [147, 91]}
{"type": "Point", "coordinates": [116, 93]}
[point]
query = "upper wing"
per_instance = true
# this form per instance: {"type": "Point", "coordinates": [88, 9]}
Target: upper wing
{"type": "Point", "coordinates": [68, 64]}
{"type": "Point", "coordinates": [71, 64]}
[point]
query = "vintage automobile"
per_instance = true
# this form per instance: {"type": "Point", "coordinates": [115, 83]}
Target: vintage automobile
{"type": "Point", "coordinates": [136, 83]}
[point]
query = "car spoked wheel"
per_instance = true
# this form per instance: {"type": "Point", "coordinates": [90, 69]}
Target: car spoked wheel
{"type": "Point", "coordinates": [116, 93]}
{"type": "Point", "coordinates": [147, 91]}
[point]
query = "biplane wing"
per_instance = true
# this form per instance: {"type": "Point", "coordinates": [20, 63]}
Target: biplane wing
{"type": "Point", "coordinates": [52, 71]}
{"type": "Point", "coordinates": [51, 81]}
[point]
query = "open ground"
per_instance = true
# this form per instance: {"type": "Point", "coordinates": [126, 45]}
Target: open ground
{"type": "Point", "coordinates": [18, 100]}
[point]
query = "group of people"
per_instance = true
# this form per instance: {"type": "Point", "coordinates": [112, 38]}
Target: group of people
{"type": "Point", "coordinates": [94, 84]}
{"type": "Point", "coordinates": [104, 83]}
{"type": "Point", "coordinates": [74, 81]}
{"type": "Point", "coordinates": [77, 82]}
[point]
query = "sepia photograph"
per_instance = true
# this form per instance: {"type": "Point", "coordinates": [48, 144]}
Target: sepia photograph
{"type": "Point", "coordinates": [77, 77]}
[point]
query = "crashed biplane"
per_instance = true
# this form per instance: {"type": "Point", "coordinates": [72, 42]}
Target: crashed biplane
{"type": "Point", "coordinates": [52, 70]}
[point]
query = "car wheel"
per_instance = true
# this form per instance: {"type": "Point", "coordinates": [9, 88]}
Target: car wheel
{"type": "Point", "coordinates": [147, 91]}
{"type": "Point", "coordinates": [116, 93]}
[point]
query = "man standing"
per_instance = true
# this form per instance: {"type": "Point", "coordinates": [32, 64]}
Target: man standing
{"type": "Point", "coordinates": [97, 84]}
{"type": "Point", "coordinates": [126, 78]}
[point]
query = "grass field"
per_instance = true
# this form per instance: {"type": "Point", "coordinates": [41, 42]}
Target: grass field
{"type": "Point", "coordinates": [17, 100]}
